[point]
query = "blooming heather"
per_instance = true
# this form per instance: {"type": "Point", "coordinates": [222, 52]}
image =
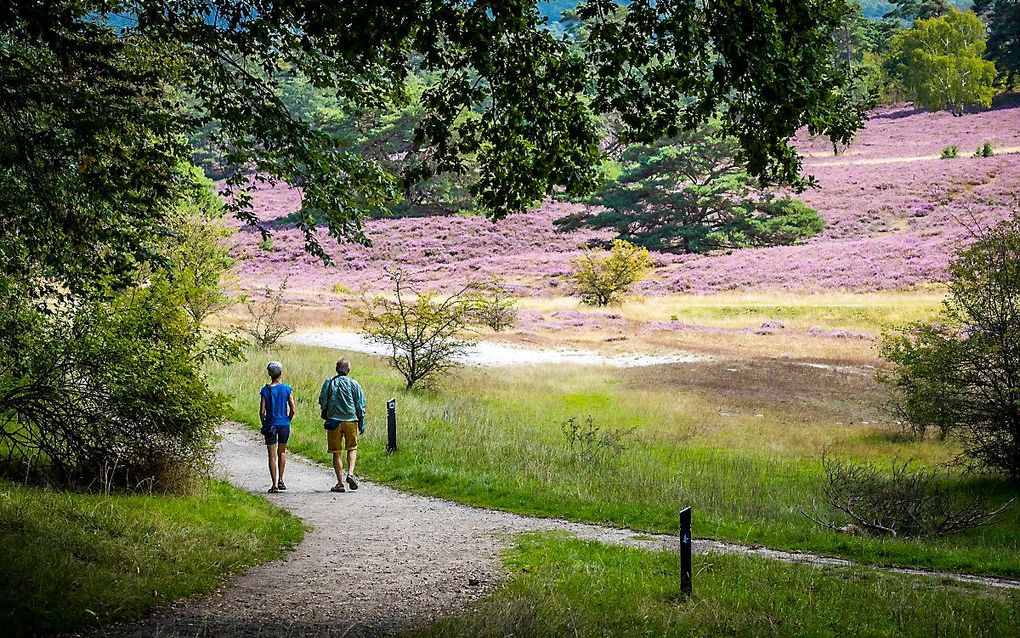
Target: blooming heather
{"type": "Point", "coordinates": [893, 220]}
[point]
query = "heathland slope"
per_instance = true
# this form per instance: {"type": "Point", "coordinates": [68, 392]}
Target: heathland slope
{"type": "Point", "coordinates": [894, 213]}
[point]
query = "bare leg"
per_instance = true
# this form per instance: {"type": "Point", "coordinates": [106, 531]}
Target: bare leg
{"type": "Point", "coordinates": [282, 459]}
{"type": "Point", "coordinates": [352, 456]}
{"type": "Point", "coordinates": [338, 467]}
{"type": "Point", "coordinates": [272, 463]}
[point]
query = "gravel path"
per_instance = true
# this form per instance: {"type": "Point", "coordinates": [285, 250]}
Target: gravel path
{"type": "Point", "coordinates": [378, 561]}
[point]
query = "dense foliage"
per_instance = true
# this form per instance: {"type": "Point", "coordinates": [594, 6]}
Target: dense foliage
{"type": "Point", "coordinates": [108, 386]}
{"type": "Point", "coordinates": [940, 62]}
{"type": "Point", "coordinates": [691, 194]}
{"type": "Point", "coordinates": [1003, 18]}
{"type": "Point", "coordinates": [962, 374]}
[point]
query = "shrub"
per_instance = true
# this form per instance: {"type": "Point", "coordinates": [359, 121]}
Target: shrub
{"type": "Point", "coordinates": [591, 444]}
{"type": "Point", "coordinates": [904, 503]}
{"type": "Point", "coordinates": [604, 280]}
{"type": "Point", "coordinates": [495, 306]}
{"type": "Point", "coordinates": [962, 374]}
{"type": "Point", "coordinates": [950, 152]}
{"type": "Point", "coordinates": [109, 393]}
{"type": "Point", "coordinates": [422, 331]}
{"type": "Point", "coordinates": [265, 326]}
{"type": "Point", "coordinates": [985, 150]}
{"type": "Point", "coordinates": [197, 262]}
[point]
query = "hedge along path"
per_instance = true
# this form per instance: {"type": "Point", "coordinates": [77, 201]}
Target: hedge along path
{"type": "Point", "coordinates": [378, 561]}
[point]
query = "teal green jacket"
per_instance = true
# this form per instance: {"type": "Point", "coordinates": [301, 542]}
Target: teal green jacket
{"type": "Point", "coordinates": [343, 399]}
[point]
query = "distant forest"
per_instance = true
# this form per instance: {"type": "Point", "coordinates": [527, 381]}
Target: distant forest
{"type": "Point", "coordinates": [871, 8]}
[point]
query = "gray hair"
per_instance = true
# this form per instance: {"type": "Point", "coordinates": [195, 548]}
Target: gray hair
{"type": "Point", "coordinates": [275, 369]}
{"type": "Point", "coordinates": [343, 367]}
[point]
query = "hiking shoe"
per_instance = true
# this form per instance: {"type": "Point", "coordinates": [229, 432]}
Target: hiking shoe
{"type": "Point", "coordinates": [352, 481]}
{"type": "Point", "coordinates": [339, 487]}
{"type": "Point", "coordinates": [274, 490]}
{"type": "Point", "coordinates": [280, 486]}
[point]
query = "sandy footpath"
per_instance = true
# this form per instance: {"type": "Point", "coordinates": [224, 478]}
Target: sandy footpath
{"type": "Point", "coordinates": [378, 561]}
{"type": "Point", "coordinates": [497, 354]}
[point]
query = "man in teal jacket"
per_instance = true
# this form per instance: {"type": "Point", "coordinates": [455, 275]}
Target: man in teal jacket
{"type": "Point", "coordinates": [343, 411]}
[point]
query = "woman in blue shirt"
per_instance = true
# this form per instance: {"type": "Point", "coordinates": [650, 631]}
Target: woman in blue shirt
{"type": "Point", "coordinates": [276, 409]}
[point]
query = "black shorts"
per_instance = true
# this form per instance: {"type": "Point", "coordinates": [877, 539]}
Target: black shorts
{"type": "Point", "coordinates": [276, 434]}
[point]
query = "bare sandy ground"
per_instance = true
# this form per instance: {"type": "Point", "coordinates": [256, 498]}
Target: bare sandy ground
{"type": "Point", "coordinates": [497, 354]}
{"type": "Point", "coordinates": [891, 160]}
{"type": "Point", "coordinates": [378, 561]}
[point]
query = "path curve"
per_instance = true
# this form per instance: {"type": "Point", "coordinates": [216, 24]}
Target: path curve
{"type": "Point", "coordinates": [378, 561]}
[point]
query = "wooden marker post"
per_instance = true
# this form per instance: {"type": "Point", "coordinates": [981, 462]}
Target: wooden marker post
{"type": "Point", "coordinates": [685, 552]}
{"type": "Point", "coordinates": [391, 426]}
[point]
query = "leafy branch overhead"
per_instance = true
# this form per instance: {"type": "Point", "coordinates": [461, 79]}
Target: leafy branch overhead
{"type": "Point", "coordinates": [96, 96]}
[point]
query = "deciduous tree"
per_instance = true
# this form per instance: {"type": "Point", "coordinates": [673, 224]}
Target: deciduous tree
{"type": "Point", "coordinates": [423, 331]}
{"type": "Point", "coordinates": [962, 373]}
{"type": "Point", "coordinates": [940, 63]}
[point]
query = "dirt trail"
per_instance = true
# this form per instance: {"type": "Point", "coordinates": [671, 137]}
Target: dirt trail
{"type": "Point", "coordinates": [378, 561]}
{"type": "Point", "coordinates": [865, 161]}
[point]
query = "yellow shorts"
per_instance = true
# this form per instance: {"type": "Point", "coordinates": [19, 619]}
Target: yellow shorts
{"type": "Point", "coordinates": [347, 432]}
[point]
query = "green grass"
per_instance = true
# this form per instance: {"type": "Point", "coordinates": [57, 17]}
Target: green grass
{"type": "Point", "coordinates": [560, 586]}
{"type": "Point", "coordinates": [71, 561]}
{"type": "Point", "coordinates": [746, 459]}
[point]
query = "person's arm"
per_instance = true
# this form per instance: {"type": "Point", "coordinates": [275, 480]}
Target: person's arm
{"type": "Point", "coordinates": [322, 395]}
{"type": "Point", "coordinates": [262, 408]}
{"type": "Point", "coordinates": [291, 406]}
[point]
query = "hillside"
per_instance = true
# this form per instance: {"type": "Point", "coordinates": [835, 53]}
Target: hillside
{"type": "Point", "coordinates": [893, 213]}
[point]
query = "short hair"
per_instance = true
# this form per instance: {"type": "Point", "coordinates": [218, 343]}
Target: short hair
{"type": "Point", "coordinates": [275, 369]}
{"type": "Point", "coordinates": [343, 367]}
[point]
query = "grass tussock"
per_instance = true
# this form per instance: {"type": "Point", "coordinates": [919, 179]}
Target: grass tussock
{"type": "Point", "coordinates": [560, 586]}
{"type": "Point", "coordinates": [76, 561]}
{"type": "Point", "coordinates": [741, 449]}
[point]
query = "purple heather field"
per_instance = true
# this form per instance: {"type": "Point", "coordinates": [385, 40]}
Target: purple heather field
{"type": "Point", "coordinates": [894, 217]}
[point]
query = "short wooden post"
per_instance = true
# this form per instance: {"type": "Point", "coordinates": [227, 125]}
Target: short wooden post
{"type": "Point", "coordinates": [391, 426]}
{"type": "Point", "coordinates": [685, 552]}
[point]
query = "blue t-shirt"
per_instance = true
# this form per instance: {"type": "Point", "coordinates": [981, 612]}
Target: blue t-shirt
{"type": "Point", "coordinates": [276, 404]}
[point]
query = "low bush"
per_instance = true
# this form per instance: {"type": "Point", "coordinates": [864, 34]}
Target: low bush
{"type": "Point", "coordinates": [265, 324]}
{"type": "Point", "coordinates": [603, 280]}
{"type": "Point", "coordinates": [108, 393]}
{"type": "Point", "coordinates": [591, 444]}
{"type": "Point", "coordinates": [950, 152]}
{"type": "Point", "coordinates": [906, 502]}
{"type": "Point", "coordinates": [495, 306]}
{"type": "Point", "coordinates": [985, 150]}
